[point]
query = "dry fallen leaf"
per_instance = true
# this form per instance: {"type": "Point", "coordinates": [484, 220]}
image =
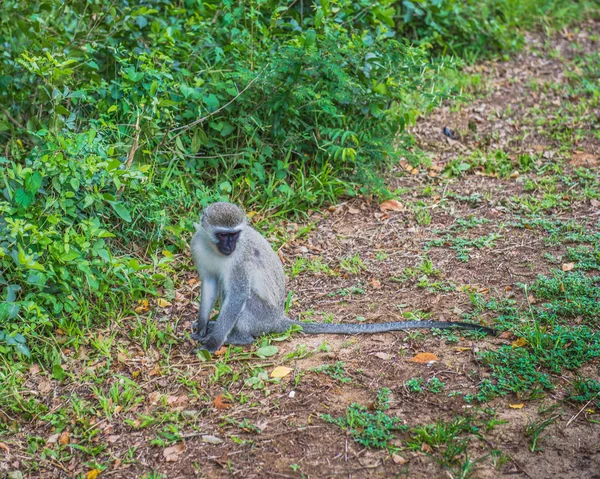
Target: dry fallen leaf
{"type": "Point", "coordinates": [5, 447]}
{"type": "Point", "coordinates": [171, 454]}
{"type": "Point", "coordinates": [221, 403]}
{"type": "Point", "coordinates": [64, 438]}
{"type": "Point", "coordinates": [142, 306]}
{"type": "Point", "coordinates": [375, 283]}
{"type": "Point", "coordinates": [353, 211]}
{"type": "Point", "coordinates": [221, 351]}
{"type": "Point", "coordinates": [163, 303]}
{"type": "Point", "coordinates": [424, 358]}
{"type": "Point", "coordinates": [93, 474]}
{"type": "Point", "coordinates": [516, 406]}
{"type": "Point", "coordinates": [35, 369]}
{"type": "Point", "coordinates": [52, 439]}
{"type": "Point", "coordinates": [581, 158]}
{"type": "Point", "coordinates": [595, 203]}
{"type": "Point", "coordinates": [398, 459]}
{"type": "Point", "coordinates": [519, 343]}
{"type": "Point", "coordinates": [392, 205]}
{"type": "Point", "coordinates": [384, 356]}
{"type": "Point", "coordinates": [280, 372]}
{"type": "Point", "coordinates": [568, 266]}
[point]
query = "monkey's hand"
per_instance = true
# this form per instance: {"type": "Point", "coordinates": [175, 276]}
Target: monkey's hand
{"type": "Point", "coordinates": [211, 344]}
{"type": "Point", "coordinates": [207, 340]}
{"type": "Point", "coordinates": [202, 336]}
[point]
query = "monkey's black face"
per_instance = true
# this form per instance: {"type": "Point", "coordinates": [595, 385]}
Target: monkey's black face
{"type": "Point", "coordinates": [227, 242]}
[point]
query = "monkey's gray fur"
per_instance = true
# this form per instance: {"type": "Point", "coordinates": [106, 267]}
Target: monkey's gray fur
{"type": "Point", "coordinates": [237, 264]}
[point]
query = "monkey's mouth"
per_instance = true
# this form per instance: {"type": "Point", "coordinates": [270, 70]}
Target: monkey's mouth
{"type": "Point", "coordinates": [226, 250]}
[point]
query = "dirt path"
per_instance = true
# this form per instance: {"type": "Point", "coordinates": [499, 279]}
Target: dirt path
{"type": "Point", "coordinates": [499, 205]}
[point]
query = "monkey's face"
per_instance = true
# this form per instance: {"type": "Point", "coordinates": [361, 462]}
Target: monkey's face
{"type": "Point", "coordinates": [226, 242]}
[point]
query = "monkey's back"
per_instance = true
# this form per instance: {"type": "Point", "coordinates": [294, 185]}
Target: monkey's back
{"type": "Point", "coordinates": [267, 279]}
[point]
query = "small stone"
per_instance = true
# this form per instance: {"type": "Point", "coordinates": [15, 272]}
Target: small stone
{"type": "Point", "coordinates": [211, 439]}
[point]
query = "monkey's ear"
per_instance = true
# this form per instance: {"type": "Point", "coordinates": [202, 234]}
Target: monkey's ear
{"type": "Point", "coordinates": [198, 226]}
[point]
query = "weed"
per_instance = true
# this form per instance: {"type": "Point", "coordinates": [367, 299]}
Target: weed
{"type": "Point", "coordinates": [335, 371]}
{"type": "Point", "coordinates": [368, 429]}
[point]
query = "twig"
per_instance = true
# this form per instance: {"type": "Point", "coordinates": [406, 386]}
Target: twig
{"type": "Point", "coordinates": [577, 415]}
{"type": "Point", "coordinates": [204, 118]}
{"type": "Point", "coordinates": [8, 115]}
{"type": "Point", "coordinates": [132, 150]}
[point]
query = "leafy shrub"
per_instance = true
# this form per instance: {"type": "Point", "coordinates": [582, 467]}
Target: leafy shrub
{"type": "Point", "coordinates": [120, 120]}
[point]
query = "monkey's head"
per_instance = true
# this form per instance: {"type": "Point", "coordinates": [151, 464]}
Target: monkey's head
{"type": "Point", "coordinates": [223, 222]}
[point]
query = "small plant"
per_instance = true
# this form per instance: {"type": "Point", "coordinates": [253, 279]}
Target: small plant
{"type": "Point", "coordinates": [382, 402]}
{"type": "Point", "coordinates": [368, 429]}
{"type": "Point", "coordinates": [335, 371]}
{"type": "Point", "coordinates": [435, 386]}
{"type": "Point", "coordinates": [415, 385]}
{"type": "Point", "coordinates": [534, 429]}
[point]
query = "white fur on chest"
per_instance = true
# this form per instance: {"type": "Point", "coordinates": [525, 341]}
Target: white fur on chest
{"type": "Point", "coordinates": [208, 263]}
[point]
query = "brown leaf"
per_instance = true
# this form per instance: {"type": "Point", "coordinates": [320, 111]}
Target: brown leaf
{"type": "Point", "coordinates": [426, 448]}
{"type": "Point", "coordinates": [4, 447]}
{"type": "Point", "coordinates": [568, 266]}
{"type": "Point", "coordinates": [519, 343]}
{"type": "Point", "coordinates": [505, 335]}
{"type": "Point", "coordinates": [595, 203]}
{"type": "Point", "coordinates": [398, 459]}
{"type": "Point", "coordinates": [171, 454]}
{"type": "Point", "coordinates": [52, 439]}
{"type": "Point", "coordinates": [353, 211]}
{"type": "Point", "coordinates": [384, 356]}
{"type": "Point", "coordinates": [424, 358]}
{"type": "Point", "coordinates": [375, 284]}
{"type": "Point", "coordinates": [221, 403]}
{"type": "Point", "coordinates": [142, 306]}
{"type": "Point", "coordinates": [392, 205]}
{"type": "Point", "coordinates": [582, 158]}
{"type": "Point", "coordinates": [35, 369]}
{"type": "Point", "coordinates": [44, 386]}
{"type": "Point", "coordinates": [64, 438]}
{"type": "Point", "coordinates": [221, 351]}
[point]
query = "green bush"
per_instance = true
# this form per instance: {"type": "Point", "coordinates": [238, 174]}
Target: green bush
{"type": "Point", "coordinates": [119, 122]}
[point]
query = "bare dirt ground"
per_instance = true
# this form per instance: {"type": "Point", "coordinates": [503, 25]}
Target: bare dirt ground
{"type": "Point", "coordinates": [275, 429]}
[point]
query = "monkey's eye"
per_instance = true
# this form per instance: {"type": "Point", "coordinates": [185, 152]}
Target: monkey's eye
{"type": "Point", "coordinates": [222, 236]}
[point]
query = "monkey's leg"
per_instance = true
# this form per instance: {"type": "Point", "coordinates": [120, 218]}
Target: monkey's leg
{"type": "Point", "coordinates": [207, 303]}
{"type": "Point", "coordinates": [230, 312]}
{"type": "Point", "coordinates": [239, 338]}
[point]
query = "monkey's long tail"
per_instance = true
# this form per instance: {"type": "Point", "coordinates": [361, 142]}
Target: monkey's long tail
{"type": "Point", "coordinates": [368, 328]}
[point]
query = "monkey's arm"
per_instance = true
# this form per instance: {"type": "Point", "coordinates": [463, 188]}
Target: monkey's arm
{"type": "Point", "coordinates": [233, 305]}
{"type": "Point", "coordinates": [207, 303]}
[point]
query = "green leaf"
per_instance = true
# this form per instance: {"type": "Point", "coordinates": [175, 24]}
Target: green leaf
{"type": "Point", "coordinates": [58, 372]}
{"type": "Point", "coordinates": [121, 211]}
{"type": "Point", "coordinates": [23, 198]}
{"type": "Point", "coordinates": [22, 349]}
{"type": "Point", "coordinates": [267, 351]}
{"type": "Point", "coordinates": [34, 182]}
{"type": "Point", "coordinates": [226, 129]}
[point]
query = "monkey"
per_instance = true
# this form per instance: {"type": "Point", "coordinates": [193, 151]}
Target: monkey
{"type": "Point", "coordinates": [237, 265]}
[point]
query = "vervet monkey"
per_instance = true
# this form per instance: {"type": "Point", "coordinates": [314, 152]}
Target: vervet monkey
{"type": "Point", "coordinates": [237, 264]}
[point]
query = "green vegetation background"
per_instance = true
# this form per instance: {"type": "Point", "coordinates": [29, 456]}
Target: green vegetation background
{"type": "Point", "coordinates": [120, 120]}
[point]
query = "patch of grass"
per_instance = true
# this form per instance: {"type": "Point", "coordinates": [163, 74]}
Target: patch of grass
{"type": "Point", "coordinates": [448, 443]}
{"type": "Point", "coordinates": [373, 430]}
{"type": "Point", "coordinates": [463, 246]}
{"type": "Point", "coordinates": [336, 371]}
{"type": "Point", "coordinates": [547, 345]}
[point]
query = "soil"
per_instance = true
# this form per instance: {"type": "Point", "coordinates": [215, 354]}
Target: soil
{"type": "Point", "coordinates": [294, 441]}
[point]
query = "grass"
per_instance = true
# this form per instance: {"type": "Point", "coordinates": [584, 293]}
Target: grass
{"type": "Point", "coordinates": [133, 377]}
